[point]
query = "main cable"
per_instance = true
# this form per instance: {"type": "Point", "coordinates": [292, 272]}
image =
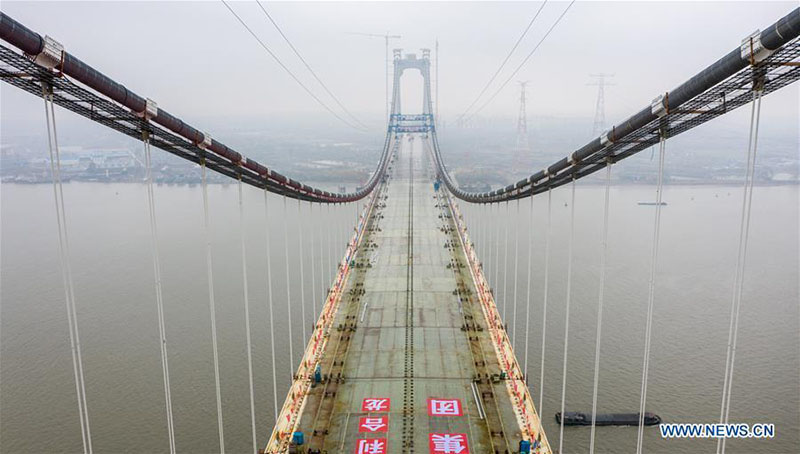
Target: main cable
{"type": "Point", "coordinates": [308, 67]}
{"type": "Point", "coordinates": [502, 65]}
{"type": "Point", "coordinates": [525, 60]}
{"type": "Point", "coordinates": [288, 71]}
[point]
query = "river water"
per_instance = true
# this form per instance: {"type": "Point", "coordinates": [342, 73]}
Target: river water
{"type": "Point", "coordinates": [113, 274]}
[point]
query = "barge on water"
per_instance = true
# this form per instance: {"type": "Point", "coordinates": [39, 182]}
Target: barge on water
{"type": "Point", "coordinates": [574, 418]}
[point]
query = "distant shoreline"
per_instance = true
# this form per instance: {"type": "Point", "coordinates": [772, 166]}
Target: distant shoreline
{"type": "Point", "coordinates": [584, 183]}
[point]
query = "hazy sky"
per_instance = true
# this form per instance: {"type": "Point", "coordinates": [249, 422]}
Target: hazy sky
{"type": "Point", "coordinates": [196, 60]}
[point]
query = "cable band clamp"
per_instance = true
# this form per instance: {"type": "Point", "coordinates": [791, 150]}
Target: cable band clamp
{"type": "Point", "coordinates": [660, 105]}
{"type": "Point", "coordinates": [572, 159]}
{"type": "Point", "coordinates": [752, 50]}
{"type": "Point", "coordinates": [205, 143]}
{"type": "Point", "coordinates": [51, 56]}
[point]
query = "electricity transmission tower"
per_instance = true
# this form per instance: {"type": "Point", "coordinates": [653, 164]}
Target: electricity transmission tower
{"type": "Point", "coordinates": [600, 108]}
{"type": "Point", "coordinates": [522, 119]}
{"type": "Point", "coordinates": [523, 145]}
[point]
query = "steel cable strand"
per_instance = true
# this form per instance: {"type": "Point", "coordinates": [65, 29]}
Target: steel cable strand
{"type": "Point", "coordinates": [600, 300]}
{"type": "Point", "coordinates": [288, 71]}
{"type": "Point", "coordinates": [566, 316]}
{"type": "Point", "coordinates": [500, 68]}
{"type": "Point", "coordinates": [66, 272]}
{"type": "Point", "coordinates": [741, 259]}
{"type": "Point", "coordinates": [496, 291]}
{"type": "Point", "coordinates": [313, 271]}
{"type": "Point", "coordinates": [69, 274]}
{"type": "Point", "coordinates": [302, 273]}
{"type": "Point", "coordinates": [322, 264]}
{"type": "Point", "coordinates": [544, 296]}
{"type": "Point", "coordinates": [528, 298]}
{"type": "Point", "coordinates": [516, 269]}
{"type": "Point", "coordinates": [651, 294]}
{"type": "Point", "coordinates": [505, 272]}
{"type": "Point", "coordinates": [159, 296]}
{"type": "Point", "coordinates": [270, 304]}
{"type": "Point", "coordinates": [212, 308]}
{"type": "Point", "coordinates": [247, 320]}
{"type": "Point", "coordinates": [288, 288]}
{"type": "Point", "coordinates": [308, 67]}
{"type": "Point", "coordinates": [330, 251]}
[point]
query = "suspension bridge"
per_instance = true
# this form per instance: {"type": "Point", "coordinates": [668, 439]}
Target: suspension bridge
{"type": "Point", "coordinates": [410, 350]}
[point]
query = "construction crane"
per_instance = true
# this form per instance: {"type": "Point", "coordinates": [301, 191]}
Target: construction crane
{"type": "Point", "coordinates": [386, 38]}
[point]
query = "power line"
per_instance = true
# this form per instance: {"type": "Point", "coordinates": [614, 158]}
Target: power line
{"type": "Point", "coordinates": [308, 67]}
{"type": "Point", "coordinates": [288, 71]}
{"type": "Point", "coordinates": [502, 65]}
{"type": "Point", "coordinates": [526, 59]}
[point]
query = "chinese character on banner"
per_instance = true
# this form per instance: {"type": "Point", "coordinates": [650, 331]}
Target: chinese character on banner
{"type": "Point", "coordinates": [444, 407]}
{"type": "Point", "coordinates": [371, 404]}
{"type": "Point", "coordinates": [371, 446]}
{"type": "Point", "coordinates": [373, 424]}
{"type": "Point", "coordinates": [448, 444]}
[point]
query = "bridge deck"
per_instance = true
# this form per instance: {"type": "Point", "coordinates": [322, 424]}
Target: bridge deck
{"type": "Point", "coordinates": [399, 333]}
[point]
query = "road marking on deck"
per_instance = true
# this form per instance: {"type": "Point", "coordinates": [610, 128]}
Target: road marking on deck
{"type": "Point", "coordinates": [373, 424]}
{"type": "Point", "coordinates": [448, 443]}
{"type": "Point", "coordinates": [444, 407]}
{"type": "Point", "coordinates": [371, 446]}
{"type": "Point", "coordinates": [373, 404]}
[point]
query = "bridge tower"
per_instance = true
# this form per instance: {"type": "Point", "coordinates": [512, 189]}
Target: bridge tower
{"type": "Point", "coordinates": [423, 65]}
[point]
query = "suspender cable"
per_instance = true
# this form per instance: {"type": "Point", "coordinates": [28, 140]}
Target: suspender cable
{"type": "Point", "coordinates": [270, 304]}
{"type": "Point", "coordinates": [339, 234]}
{"type": "Point", "coordinates": [528, 299]}
{"type": "Point", "coordinates": [481, 230]}
{"type": "Point", "coordinates": [516, 268]}
{"type": "Point", "coordinates": [744, 231]}
{"type": "Point", "coordinates": [544, 298]}
{"type": "Point", "coordinates": [212, 308]}
{"type": "Point", "coordinates": [600, 299]}
{"type": "Point", "coordinates": [505, 268]}
{"type": "Point", "coordinates": [247, 321]}
{"type": "Point", "coordinates": [159, 295]}
{"type": "Point", "coordinates": [313, 261]}
{"type": "Point", "coordinates": [566, 315]}
{"type": "Point", "coordinates": [322, 262]}
{"type": "Point", "coordinates": [302, 274]}
{"type": "Point", "coordinates": [288, 285]}
{"type": "Point", "coordinates": [330, 254]}
{"type": "Point", "coordinates": [651, 293]}
{"type": "Point", "coordinates": [496, 292]}
{"type": "Point", "coordinates": [66, 269]}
